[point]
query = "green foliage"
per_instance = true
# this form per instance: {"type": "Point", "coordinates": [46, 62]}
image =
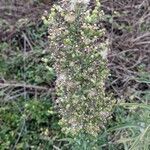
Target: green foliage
{"type": "Point", "coordinates": [26, 124]}
{"type": "Point", "coordinates": [79, 48]}
{"type": "Point", "coordinates": [35, 66]}
{"type": "Point", "coordinates": [132, 124]}
{"type": "Point", "coordinates": [134, 128]}
{"type": "Point", "coordinates": [37, 71]}
{"type": "Point", "coordinates": [84, 142]}
{"type": "Point", "coordinates": [3, 46]}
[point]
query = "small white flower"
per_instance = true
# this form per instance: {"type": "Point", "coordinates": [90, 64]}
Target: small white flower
{"type": "Point", "coordinates": [61, 78]}
{"type": "Point", "coordinates": [74, 2]}
{"type": "Point", "coordinates": [104, 53]}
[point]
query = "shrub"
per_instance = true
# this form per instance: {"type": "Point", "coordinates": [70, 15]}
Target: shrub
{"type": "Point", "coordinates": [79, 48]}
{"type": "Point", "coordinates": [28, 124]}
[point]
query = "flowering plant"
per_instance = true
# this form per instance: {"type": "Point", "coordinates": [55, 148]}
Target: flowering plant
{"type": "Point", "coordinates": [79, 48]}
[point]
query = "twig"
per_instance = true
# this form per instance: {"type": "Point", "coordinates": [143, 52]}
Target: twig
{"type": "Point", "coordinates": [23, 85]}
{"type": "Point", "coordinates": [27, 40]}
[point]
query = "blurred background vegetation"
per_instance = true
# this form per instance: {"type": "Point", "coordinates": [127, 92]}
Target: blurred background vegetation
{"type": "Point", "coordinates": [28, 118]}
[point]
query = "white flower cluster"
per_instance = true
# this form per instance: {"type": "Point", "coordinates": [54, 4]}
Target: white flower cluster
{"type": "Point", "coordinates": [73, 3]}
{"type": "Point", "coordinates": [79, 48]}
